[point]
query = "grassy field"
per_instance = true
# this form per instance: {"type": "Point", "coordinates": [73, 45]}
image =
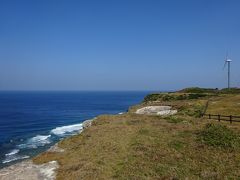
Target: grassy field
{"type": "Point", "coordinates": [132, 146]}
{"type": "Point", "coordinates": [225, 105]}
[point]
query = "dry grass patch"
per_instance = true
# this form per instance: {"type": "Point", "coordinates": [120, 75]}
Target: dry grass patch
{"type": "Point", "coordinates": [225, 105]}
{"type": "Point", "coordinates": [132, 146]}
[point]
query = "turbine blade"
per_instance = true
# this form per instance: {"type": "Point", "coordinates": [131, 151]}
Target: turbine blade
{"type": "Point", "coordinates": [224, 65]}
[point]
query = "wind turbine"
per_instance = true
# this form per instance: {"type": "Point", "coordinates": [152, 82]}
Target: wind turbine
{"type": "Point", "coordinates": [228, 62]}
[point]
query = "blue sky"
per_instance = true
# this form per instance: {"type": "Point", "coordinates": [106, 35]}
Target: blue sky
{"type": "Point", "coordinates": [117, 45]}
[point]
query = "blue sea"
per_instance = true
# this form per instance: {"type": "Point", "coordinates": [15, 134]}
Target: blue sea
{"type": "Point", "coordinates": [30, 122]}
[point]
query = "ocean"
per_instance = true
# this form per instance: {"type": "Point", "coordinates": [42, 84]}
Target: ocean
{"type": "Point", "coordinates": [31, 122]}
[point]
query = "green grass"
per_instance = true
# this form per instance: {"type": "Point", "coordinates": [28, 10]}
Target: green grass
{"type": "Point", "coordinates": [174, 119]}
{"type": "Point", "coordinates": [193, 108]}
{"type": "Point", "coordinates": [176, 144]}
{"type": "Point", "coordinates": [219, 136]}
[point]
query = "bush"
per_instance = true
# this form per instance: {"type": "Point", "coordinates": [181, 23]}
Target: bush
{"type": "Point", "coordinates": [168, 98]}
{"type": "Point", "coordinates": [196, 95]}
{"type": "Point", "coordinates": [195, 110]}
{"type": "Point", "coordinates": [173, 119]}
{"type": "Point", "coordinates": [199, 90]}
{"type": "Point", "coordinates": [219, 136]}
{"type": "Point", "coordinates": [181, 97]}
{"type": "Point", "coordinates": [155, 97]}
{"type": "Point", "coordinates": [234, 90]}
{"type": "Point", "coordinates": [230, 91]}
{"type": "Point", "coordinates": [152, 97]}
{"type": "Point", "coordinates": [173, 97]}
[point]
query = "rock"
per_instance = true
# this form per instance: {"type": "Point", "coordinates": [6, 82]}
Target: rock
{"type": "Point", "coordinates": [26, 170]}
{"type": "Point", "coordinates": [167, 112]}
{"type": "Point", "coordinates": [87, 123]}
{"type": "Point", "coordinates": [156, 110]}
{"type": "Point", "coordinates": [56, 149]}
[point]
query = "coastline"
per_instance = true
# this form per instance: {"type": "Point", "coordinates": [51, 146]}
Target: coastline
{"type": "Point", "coordinates": [149, 137]}
{"type": "Point", "coordinates": [26, 133]}
{"type": "Point", "coordinates": [27, 170]}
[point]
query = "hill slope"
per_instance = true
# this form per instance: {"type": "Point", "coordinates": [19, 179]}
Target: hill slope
{"type": "Point", "coordinates": [131, 146]}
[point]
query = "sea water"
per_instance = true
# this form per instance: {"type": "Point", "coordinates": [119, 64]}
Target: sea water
{"type": "Point", "coordinates": [30, 122]}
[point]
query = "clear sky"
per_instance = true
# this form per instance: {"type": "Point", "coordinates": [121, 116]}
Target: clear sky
{"type": "Point", "coordinates": [118, 44]}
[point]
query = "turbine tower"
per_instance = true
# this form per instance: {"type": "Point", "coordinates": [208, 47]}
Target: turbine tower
{"type": "Point", "coordinates": [228, 63]}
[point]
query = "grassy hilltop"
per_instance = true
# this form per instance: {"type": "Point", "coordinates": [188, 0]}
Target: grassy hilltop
{"type": "Point", "coordinates": [132, 146]}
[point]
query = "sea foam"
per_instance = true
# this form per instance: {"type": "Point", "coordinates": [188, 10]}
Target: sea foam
{"type": "Point", "coordinates": [14, 151]}
{"type": "Point", "coordinates": [67, 130]}
{"type": "Point", "coordinates": [35, 142]}
{"type": "Point", "coordinates": [13, 156]}
{"type": "Point", "coordinates": [40, 141]}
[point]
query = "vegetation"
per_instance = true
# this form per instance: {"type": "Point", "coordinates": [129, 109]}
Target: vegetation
{"type": "Point", "coordinates": [174, 119]}
{"type": "Point", "coordinates": [231, 91]}
{"type": "Point", "coordinates": [194, 109]}
{"type": "Point", "coordinates": [173, 96]}
{"type": "Point", "coordinates": [198, 90]}
{"type": "Point", "coordinates": [131, 146]}
{"type": "Point", "coordinates": [211, 91]}
{"type": "Point", "coordinates": [152, 97]}
{"type": "Point", "coordinates": [227, 104]}
{"type": "Point", "coordinates": [219, 136]}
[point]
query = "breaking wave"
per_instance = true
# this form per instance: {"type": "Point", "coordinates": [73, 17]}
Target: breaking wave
{"type": "Point", "coordinates": [14, 151]}
{"type": "Point", "coordinates": [35, 142]}
{"type": "Point", "coordinates": [13, 156]}
{"type": "Point", "coordinates": [67, 130]}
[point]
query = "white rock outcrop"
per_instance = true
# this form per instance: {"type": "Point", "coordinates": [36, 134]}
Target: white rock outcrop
{"type": "Point", "coordinates": [87, 123]}
{"type": "Point", "coordinates": [156, 110]}
{"type": "Point", "coordinates": [26, 170]}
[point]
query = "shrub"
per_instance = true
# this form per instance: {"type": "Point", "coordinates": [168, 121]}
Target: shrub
{"type": "Point", "coordinates": [181, 97]}
{"type": "Point", "coordinates": [196, 95]}
{"type": "Point", "coordinates": [219, 136]}
{"type": "Point", "coordinates": [172, 96]}
{"type": "Point", "coordinates": [195, 110]}
{"type": "Point", "coordinates": [199, 90]}
{"type": "Point", "coordinates": [168, 97]}
{"type": "Point", "coordinates": [230, 91]}
{"type": "Point", "coordinates": [152, 97]}
{"type": "Point", "coordinates": [173, 119]}
{"type": "Point", "coordinates": [155, 97]}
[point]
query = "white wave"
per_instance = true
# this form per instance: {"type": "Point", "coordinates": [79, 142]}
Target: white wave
{"type": "Point", "coordinates": [14, 151]}
{"type": "Point", "coordinates": [13, 158]}
{"type": "Point", "coordinates": [71, 129]}
{"type": "Point", "coordinates": [35, 142]}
